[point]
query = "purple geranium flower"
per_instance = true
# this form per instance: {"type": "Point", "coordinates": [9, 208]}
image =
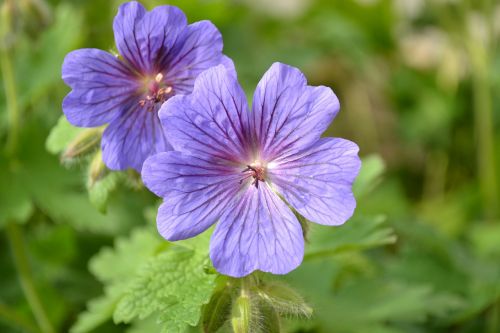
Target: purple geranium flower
{"type": "Point", "coordinates": [244, 169]}
{"type": "Point", "coordinates": [160, 56]}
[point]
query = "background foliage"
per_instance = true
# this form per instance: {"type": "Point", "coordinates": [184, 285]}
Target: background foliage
{"type": "Point", "coordinates": [418, 83]}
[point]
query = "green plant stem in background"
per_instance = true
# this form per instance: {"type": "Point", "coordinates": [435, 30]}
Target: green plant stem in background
{"type": "Point", "coordinates": [10, 317]}
{"type": "Point", "coordinates": [16, 241]}
{"type": "Point", "coordinates": [11, 99]}
{"type": "Point", "coordinates": [483, 118]}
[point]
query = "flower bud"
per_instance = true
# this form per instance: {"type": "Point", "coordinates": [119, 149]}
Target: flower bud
{"type": "Point", "coordinates": [284, 299]}
{"type": "Point", "coordinates": [97, 169]}
{"type": "Point", "coordinates": [9, 24]}
{"type": "Point", "coordinates": [36, 15]}
{"type": "Point", "coordinates": [84, 143]}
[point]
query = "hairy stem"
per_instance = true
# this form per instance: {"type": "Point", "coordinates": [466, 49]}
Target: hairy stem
{"type": "Point", "coordinates": [16, 241]}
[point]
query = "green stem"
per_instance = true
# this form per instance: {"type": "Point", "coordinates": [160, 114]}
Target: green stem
{"type": "Point", "coordinates": [11, 318]}
{"type": "Point", "coordinates": [483, 118]}
{"type": "Point", "coordinates": [15, 237]}
{"type": "Point", "coordinates": [11, 100]}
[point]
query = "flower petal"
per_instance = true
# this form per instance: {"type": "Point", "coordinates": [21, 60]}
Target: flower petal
{"type": "Point", "coordinates": [212, 120]}
{"type": "Point", "coordinates": [125, 27]}
{"type": "Point", "coordinates": [258, 233]}
{"type": "Point", "coordinates": [198, 48]}
{"type": "Point", "coordinates": [143, 38]}
{"type": "Point", "coordinates": [289, 115]}
{"type": "Point", "coordinates": [131, 138]}
{"type": "Point", "coordinates": [195, 191]}
{"type": "Point", "coordinates": [101, 86]}
{"type": "Point", "coordinates": [318, 182]}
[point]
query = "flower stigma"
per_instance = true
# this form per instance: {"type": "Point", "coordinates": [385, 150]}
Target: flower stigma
{"type": "Point", "coordinates": [157, 93]}
{"type": "Point", "coordinates": [255, 170]}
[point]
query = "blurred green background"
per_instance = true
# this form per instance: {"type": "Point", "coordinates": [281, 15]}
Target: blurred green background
{"type": "Point", "coordinates": [418, 82]}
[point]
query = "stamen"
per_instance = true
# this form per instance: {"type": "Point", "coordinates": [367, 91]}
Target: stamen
{"type": "Point", "coordinates": [158, 93]}
{"type": "Point", "coordinates": [256, 171]}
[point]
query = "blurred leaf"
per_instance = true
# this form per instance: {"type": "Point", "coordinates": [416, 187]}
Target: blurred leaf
{"type": "Point", "coordinates": [357, 234]}
{"type": "Point", "coordinates": [100, 191]}
{"type": "Point", "coordinates": [37, 179]}
{"type": "Point", "coordinates": [486, 238]}
{"type": "Point", "coordinates": [121, 263]}
{"type": "Point", "coordinates": [99, 310]}
{"type": "Point", "coordinates": [15, 201]}
{"type": "Point", "coordinates": [372, 168]}
{"type": "Point", "coordinates": [40, 63]}
{"type": "Point", "coordinates": [61, 135]}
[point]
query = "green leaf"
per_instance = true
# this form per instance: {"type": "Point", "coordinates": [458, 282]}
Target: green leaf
{"type": "Point", "coordinates": [99, 310]}
{"type": "Point", "coordinates": [100, 191]}
{"type": "Point", "coordinates": [173, 283]}
{"type": "Point", "coordinates": [113, 265]}
{"type": "Point", "coordinates": [15, 201]}
{"type": "Point", "coordinates": [153, 278]}
{"type": "Point", "coordinates": [61, 135]}
{"type": "Point", "coordinates": [41, 63]}
{"type": "Point", "coordinates": [372, 168]}
{"type": "Point", "coordinates": [357, 234]}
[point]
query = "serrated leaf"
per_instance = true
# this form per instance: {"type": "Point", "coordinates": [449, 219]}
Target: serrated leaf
{"type": "Point", "coordinates": [99, 310]}
{"type": "Point", "coordinates": [61, 135]}
{"type": "Point", "coordinates": [173, 283]}
{"type": "Point", "coordinates": [357, 234]}
{"type": "Point", "coordinates": [123, 261]}
{"type": "Point", "coordinates": [156, 278]}
{"type": "Point", "coordinates": [116, 267]}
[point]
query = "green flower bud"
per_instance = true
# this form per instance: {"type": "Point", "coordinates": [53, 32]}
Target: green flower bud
{"type": "Point", "coordinates": [241, 315]}
{"type": "Point", "coordinates": [84, 143]}
{"type": "Point", "coordinates": [97, 169]}
{"type": "Point", "coordinates": [284, 299]}
{"type": "Point", "coordinates": [36, 15]}
{"type": "Point", "coordinates": [9, 24]}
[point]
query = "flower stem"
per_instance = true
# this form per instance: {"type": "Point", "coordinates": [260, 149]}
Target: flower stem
{"type": "Point", "coordinates": [483, 116]}
{"type": "Point", "coordinates": [16, 241]}
{"type": "Point", "coordinates": [11, 100]}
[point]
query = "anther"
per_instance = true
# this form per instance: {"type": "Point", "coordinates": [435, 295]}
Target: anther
{"type": "Point", "coordinates": [256, 172]}
{"type": "Point", "coordinates": [159, 77]}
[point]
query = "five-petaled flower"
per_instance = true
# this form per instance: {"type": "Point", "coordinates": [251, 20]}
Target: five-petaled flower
{"type": "Point", "coordinates": [247, 169]}
{"type": "Point", "coordinates": [160, 56]}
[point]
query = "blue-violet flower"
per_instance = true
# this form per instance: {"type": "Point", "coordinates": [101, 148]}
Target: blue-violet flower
{"type": "Point", "coordinates": [160, 56]}
{"type": "Point", "coordinates": [246, 170]}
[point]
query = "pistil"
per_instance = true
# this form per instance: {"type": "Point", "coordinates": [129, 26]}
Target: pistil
{"type": "Point", "coordinates": [158, 92]}
{"type": "Point", "coordinates": [256, 171]}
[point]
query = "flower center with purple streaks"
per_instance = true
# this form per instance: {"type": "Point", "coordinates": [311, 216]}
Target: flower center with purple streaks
{"type": "Point", "coordinates": [255, 170]}
{"type": "Point", "coordinates": [157, 92]}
